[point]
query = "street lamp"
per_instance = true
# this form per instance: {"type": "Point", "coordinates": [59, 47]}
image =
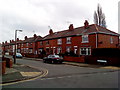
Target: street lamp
{"type": "Point", "coordinates": [15, 45]}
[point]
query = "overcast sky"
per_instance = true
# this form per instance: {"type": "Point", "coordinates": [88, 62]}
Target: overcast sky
{"type": "Point", "coordinates": [34, 16]}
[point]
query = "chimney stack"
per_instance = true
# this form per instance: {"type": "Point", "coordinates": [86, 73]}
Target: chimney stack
{"type": "Point", "coordinates": [50, 31]}
{"type": "Point", "coordinates": [25, 37]}
{"type": "Point", "coordinates": [71, 27]}
{"type": "Point", "coordinates": [86, 24]}
{"type": "Point", "coordinates": [35, 35]}
{"type": "Point", "coordinates": [17, 39]}
{"type": "Point", "coordinates": [10, 41]}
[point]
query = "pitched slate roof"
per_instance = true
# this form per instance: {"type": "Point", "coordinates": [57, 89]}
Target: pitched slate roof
{"type": "Point", "coordinates": [92, 29]}
{"type": "Point", "coordinates": [32, 39]}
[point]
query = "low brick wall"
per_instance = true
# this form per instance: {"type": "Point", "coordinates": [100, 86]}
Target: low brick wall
{"type": "Point", "coordinates": [110, 60]}
{"type": "Point", "coordinates": [74, 59]}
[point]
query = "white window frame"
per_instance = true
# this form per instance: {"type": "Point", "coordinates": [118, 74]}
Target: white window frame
{"type": "Point", "coordinates": [18, 50]}
{"type": "Point", "coordinates": [40, 50]}
{"type": "Point", "coordinates": [111, 40]}
{"type": "Point", "coordinates": [85, 39]}
{"type": "Point", "coordinates": [88, 49]}
{"type": "Point", "coordinates": [68, 49]}
{"type": "Point", "coordinates": [68, 40]}
{"type": "Point", "coordinates": [22, 45]}
{"type": "Point", "coordinates": [41, 43]}
{"type": "Point", "coordinates": [59, 41]}
{"type": "Point", "coordinates": [27, 44]}
{"type": "Point", "coordinates": [47, 42]}
{"type": "Point", "coordinates": [59, 50]}
{"type": "Point", "coordinates": [30, 50]}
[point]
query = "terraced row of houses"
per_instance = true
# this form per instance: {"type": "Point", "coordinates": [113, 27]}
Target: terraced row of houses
{"type": "Point", "coordinates": [81, 41]}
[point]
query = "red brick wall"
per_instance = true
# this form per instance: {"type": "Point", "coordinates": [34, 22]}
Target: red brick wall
{"type": "Point", "coordinates": [74, 59]}
{"type": "Point", "coordinates": [76, 41]}
{"type": "Point", "coordinates": [105, 39]}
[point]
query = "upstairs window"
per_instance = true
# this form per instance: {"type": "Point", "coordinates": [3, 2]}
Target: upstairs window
{"type": "Point", "coordinates": [41, 43]}
{"type": "Point", "coordinates": [26, 44]}
{"type": "Point", "coordinates": [22, 45]}
{"type": "Point", "coordinates": [85, 39]}
{"type": "Point", "coordinates": [47, 42]}
{"type": "Point", "coordinates": [59, 41]}
{"type": "Point", "coordinates": [31, 44]}
{"type": "Point", "coordinates": [68, 40]}
{"type": "Point", "coordinates": [111, 40]}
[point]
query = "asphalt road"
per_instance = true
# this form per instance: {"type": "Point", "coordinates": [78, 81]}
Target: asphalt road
{"type": "Point", "coordinates": [68, 76]}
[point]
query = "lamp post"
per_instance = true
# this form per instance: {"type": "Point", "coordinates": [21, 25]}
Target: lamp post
{"type": "Point", "coordinates": [15, 45]}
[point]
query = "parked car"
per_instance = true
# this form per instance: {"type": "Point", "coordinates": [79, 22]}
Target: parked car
{"type": "Point", "coordinates": [53, 59]}
{"type": "Point", "coordinates": [19, 55]}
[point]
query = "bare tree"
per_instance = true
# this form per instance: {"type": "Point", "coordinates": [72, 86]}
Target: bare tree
{"type": "Point", "coordinates": [99, 17]}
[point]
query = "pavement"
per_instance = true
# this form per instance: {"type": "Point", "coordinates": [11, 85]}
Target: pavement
{"type": "Point", "coordinates": [20, 72]}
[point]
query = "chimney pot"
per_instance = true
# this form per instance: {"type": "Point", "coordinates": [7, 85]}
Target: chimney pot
{"type": "Point", "coordinates": [35, 35]}
{"type": "Point", "coordinates": [71, 27]}
{"type": "Point", "coordinates": [25, 37]}
{"type": "Point", "coordinates": [50, 31]}
{"type": "Point", "coordinates": [86, 24]}
{"type": "Point", "coordinates": [17, 39]}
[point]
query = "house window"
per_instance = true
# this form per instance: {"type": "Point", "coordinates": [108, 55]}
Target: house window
{"type": "Point", "coordinates": [85, 51]}
{"type": "Point", "coordinates": [59, 41]}
{"type": "Point", "coordinates": [18, 45]}
{"type": "Point", "coordinates": [31, 44]}
{"type": "Point", "coordinates": [68, 49]}
{"type": "Point", "coordinates": [40, 50]}
{"type": "Point", "coordinates": [41, 43]}
{"type": "Point", "coordinates": [21, 50]}
{"type": "Point", "coordinates": [30, 50]}
{"type": "Point", "coordinates": [47, 42]}
{"type": "Point", "coordinates": [85, 39]}
{"type": "Point", "coordinates": [68, 40]}
{"type": "Point", "coordinates": [26, 50]}
{"type": "Point", "coordinates": [59, 49]}
{"type": "Point", "coordinates": [111, 40]}
{"type": "Point", "coordinates": [22, 45]}
{"type": "Point", "coordinates": [18, 50]}
{"type": "Point", "coordinates": [27, 44]}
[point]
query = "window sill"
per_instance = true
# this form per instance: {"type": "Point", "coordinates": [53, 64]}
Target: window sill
{"type": "Point", "coordinates": [59, 43]}
{"type": "Point", "coordinates": [85, 42]}
{"type": "Point", "coordinates": [68, 43]}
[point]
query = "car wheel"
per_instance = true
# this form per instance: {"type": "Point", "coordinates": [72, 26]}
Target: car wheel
{"type": "Point", "coordinates": [60, 62]}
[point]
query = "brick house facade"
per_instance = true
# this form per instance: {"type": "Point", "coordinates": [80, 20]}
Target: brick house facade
{"type": "Point", "coordinates": [80, 40]}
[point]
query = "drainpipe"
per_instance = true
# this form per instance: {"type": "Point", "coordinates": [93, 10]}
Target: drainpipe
{"type": "Point", "coordinates": [96, 40]}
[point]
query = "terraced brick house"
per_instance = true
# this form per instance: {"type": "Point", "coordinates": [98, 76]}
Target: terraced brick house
{"type": "Point", "coordinates": [80, 41]}
{"type": "Point", "coordinates": [29, 47]}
